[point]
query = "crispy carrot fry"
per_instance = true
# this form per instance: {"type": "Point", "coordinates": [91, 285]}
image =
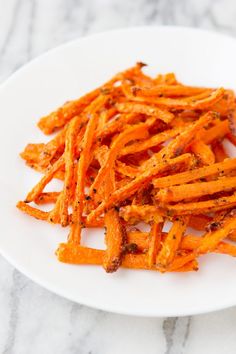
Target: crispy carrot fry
{"type": "Point", "coordinates": [46, 198]}
{"type": "Point", "coordinates": [37, 190]}
{"type": "Point", "coordinates": [194, 190]}
{"type": "Point", "coordinates": [220, 129]}
{"type": "Point", "coordinates": [130, 107]}
{"type": "Point", "coordinates": [55, 216]}
{"type": "Point", "coordinates": [53, 146]}
{"type": "Point", "coordinates": [191, 242]}
{"type": "Point", "coordinates": [172, 242]}
{"type": "Point", "coordinates": [32, 153]}
{"type": "Point", "coordinates": [117, 124]}
{"type": "Point", "coordinates": [36, 213]}
{"type": "Point", "coordinates": [150, 142]}
{"type": "Point", "coordinates": [76, 254]}
{"type": "Point", "coordinates": [203, 152]}
{"type": "Point", "coordinates": [169, 90]}
{"type": "Point", "coordinates": [69, 156]}
{"type": "Point", "coordinates": [82, 167]}
{"type": "Point", "coordinates": [212, 239]}
{"type": "Point", "coordinates": [59, 118]}
{"type": "Point", "coordinates": [154, 242]}
{"type": "Point", "coordinates": [185, 103]}
{"type": "Point", "coordinates": [115, 231]}
{"type": "Point", "coordinates": [202, 207]}
{"type": "Point", "coordinates": [115, 238]}
{"type": "Point", "coordinates": [188, 176]}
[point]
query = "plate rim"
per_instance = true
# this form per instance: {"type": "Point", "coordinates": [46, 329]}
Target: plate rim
{"type": "Point", "coordinates": [120, 309]}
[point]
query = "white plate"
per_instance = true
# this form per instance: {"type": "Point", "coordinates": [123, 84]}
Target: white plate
{"type": "Point", "coordinates": [198, 58]}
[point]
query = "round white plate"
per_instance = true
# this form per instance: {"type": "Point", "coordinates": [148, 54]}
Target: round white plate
{"type": "Point", "coordinates": [198, 58]}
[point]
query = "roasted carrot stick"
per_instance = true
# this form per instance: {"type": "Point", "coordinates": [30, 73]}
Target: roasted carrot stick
{"type": "Point", "coordinates": [194, 190]}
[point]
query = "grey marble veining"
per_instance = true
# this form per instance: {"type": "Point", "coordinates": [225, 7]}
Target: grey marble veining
{"type": "Point", "coordinates": [33, 320]}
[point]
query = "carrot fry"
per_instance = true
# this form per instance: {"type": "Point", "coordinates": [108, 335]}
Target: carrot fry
{"type": "Point", "coordinates": [185, 103]}
{"type": "Point", "coordinates": [59, 118]}
{"type": "Point", "coordinates": [140, 181]}
{"type": "Point", "coordinates": [36, 213]}
{"type": "Point", "coordinates": [82, 255]}
{"type": "Point", "coordinates": [203, 152]}
{"type": "Point", "coordinates": [172, 242]}
{"type": "Point", "coordinates": [69, 156]}
{"type": "Point", "coordinates": [82, 167]}
{"type": "Point", "coordinates": [154, 242]}
{"type": "Point", "coordinates": [212, 239]}
{"type": "Point", "coordinates": [150, 142]}
{"type": "Point", "coordinates": [188, 176]}
{"type": "Point", "coordinates": [194, 190]}
{"type": "Point", "coordinates": [46, 198]}
{"type": "Point", "coordinates": [219, 131]}
{"type": "Point", "coordinates": [202, 207]}
{"type": "Point", "coordinates": [37, 190]}
{"type": "Point", "coordinates": [169, 90]}
{"type": "Point", "coordinates": [130, 107]}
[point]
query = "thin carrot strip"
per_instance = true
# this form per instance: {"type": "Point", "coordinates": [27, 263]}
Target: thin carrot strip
{"type": "Point", "coordinates": [37, 190]}
{"type": "Point", "coordinates": [82, 167]}
{"type": "Point", "coordinates": [59, 118]}
{"type": "Point", "coordinates": [171, 244]}
{"type": "Point", "coordinates": [203, 152]}
{"type": "Point", "coordinates": [46, 198]}
{"type": "Point", "coordinates": [188, 176]}
{"type": "Point", "coordinates": [28, 209]}
{"type": "Point", "coordinates": [150, 142]}
{"type": "Point", "coordinates": [202, 207]}
{"type": "Point", "coordinates": [169, 90]}
{"type": "Point", "coordinates": [219, 131]}
{"type": "Point", "coordinates": [83, 255]}
{"type": "Point", "coordinates": [154, 242]}
{"type": "Point", "coordinates": [194, 190]}
{"type": "Point", "coordinates": [212, 239]}
{"type": "Point", "coordinates": [189, 103]}
{"type": "Point", "coordinates": [131, 107]}
{"type": "Point", "coordinates": [69, 156]}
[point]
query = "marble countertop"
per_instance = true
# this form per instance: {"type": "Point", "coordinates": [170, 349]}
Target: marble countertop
{"type": "Point", "coordinates": [33, 320]}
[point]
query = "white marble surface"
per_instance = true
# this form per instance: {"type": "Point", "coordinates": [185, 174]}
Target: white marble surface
{"type": "Point", "coordinates": [33, 320]}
